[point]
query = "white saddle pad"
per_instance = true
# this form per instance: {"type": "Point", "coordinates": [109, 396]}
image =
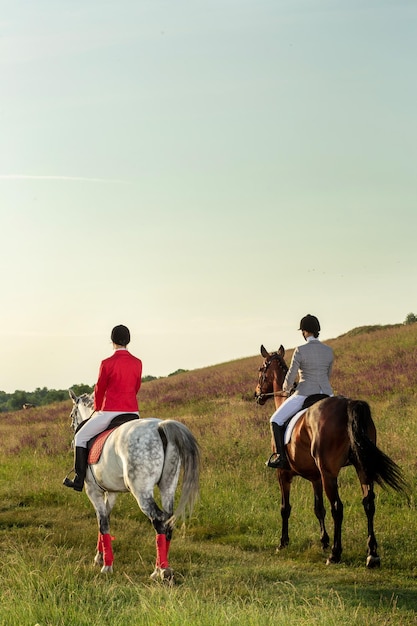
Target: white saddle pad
{"type": "Point", "coordinates": [291, 425]}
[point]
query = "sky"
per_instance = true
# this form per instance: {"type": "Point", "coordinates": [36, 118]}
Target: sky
{"type": "Point", "coordinates": [205, 173]}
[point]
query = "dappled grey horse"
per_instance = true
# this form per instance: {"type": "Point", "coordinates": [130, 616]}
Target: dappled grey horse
{"type": "Point", "coordinates": [136, 457]}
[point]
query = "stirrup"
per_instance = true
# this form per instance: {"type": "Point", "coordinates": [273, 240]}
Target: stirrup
{"type": "Point", "coordinates": [73, 484]}
{"type": "Point", "coordinates": [276, 461]}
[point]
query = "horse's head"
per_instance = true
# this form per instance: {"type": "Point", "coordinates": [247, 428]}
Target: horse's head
{"type": "Point", "coordinates": [271, 375]}
{"type": "Point", "coordinates": [83, 407]}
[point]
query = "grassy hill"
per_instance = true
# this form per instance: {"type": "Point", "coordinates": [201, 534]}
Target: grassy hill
{"type": "Point", "coordinates": [370, 361]}
{"type": "Point", "coordinates": [228, 571]}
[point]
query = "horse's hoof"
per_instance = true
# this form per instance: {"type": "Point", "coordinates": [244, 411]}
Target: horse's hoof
{"type": "Point", "coordinates": [107, 569]}
{"type": "Point", "coordinates": [165, 575]}
{"type": "Point", "coordinates": [98, 559]}
{"type": "Point", "coordinates": [373, 561]}
{"type": "Point", "coordinates": [332, 560]}
{"type": "Point", "coordinates": [155, 574]}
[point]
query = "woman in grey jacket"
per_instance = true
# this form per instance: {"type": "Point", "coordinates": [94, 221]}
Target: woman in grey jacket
{"type": "Point", "coordinates": [313, 362]}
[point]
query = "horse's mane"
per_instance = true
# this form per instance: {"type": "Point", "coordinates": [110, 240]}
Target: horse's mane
{"type": "Point", "coordinates": [87, 399]}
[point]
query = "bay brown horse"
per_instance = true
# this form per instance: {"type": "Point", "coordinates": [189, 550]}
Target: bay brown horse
{"type": "Point", "coordinates": [332, 433]}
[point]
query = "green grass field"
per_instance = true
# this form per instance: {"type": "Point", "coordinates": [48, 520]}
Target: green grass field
{"type": "Point", "coordinates": [227, 568]}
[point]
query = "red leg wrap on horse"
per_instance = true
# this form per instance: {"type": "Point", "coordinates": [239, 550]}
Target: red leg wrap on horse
{"type": "Point", "coordinates": [161, 551]}
{"type": "Point", "coordinates": [107, 549]}
{"type": "Point", "coordinates": [100, 543]}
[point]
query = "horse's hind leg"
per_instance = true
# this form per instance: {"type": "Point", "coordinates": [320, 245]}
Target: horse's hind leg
{"type": "Point", "coordinates": [332, 492]}
{"type": "Point", "coordinates": [320, 512]}
{"type": "Point", "coordinates": [162, 528]}
{"type": "Point", "coordinates": [167, 487]}
{"type": "Point", "coordinates": [368, 502]}
{"type": "Point", "coordinates": [163, 537]}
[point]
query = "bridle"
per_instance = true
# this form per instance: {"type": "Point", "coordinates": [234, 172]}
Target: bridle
{"type": "Point", "coordinates": [264, 369]}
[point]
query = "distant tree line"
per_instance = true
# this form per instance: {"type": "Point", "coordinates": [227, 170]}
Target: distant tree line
{"type": "Point", "coordinates": [41, 397]}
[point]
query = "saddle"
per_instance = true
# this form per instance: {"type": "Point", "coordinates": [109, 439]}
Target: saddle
{"type": "Point", "coordinates": [96, 444]}
{"type": "Point", "coordinates": [316, 397]}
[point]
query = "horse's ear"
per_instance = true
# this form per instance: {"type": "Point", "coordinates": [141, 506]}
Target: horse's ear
{"type": "Point", "coordinates": [281, 351]}
{"type": "Point", "coordinates": [264, 352]}
{"type": "Point", "coordinates": [72, 395]}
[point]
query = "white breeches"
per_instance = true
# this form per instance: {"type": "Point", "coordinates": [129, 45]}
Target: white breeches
{"type": "Point", "coordinates": [290, 407]}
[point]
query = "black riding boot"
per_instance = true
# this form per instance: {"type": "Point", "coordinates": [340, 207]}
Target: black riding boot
{"type": "Point", "coordinates": [278, 460]}
{"type": "Point", "coordinates": [81, 456]}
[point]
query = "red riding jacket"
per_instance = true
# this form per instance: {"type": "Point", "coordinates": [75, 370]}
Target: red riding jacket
{"type": "Point", "coordinates": [118, 383]}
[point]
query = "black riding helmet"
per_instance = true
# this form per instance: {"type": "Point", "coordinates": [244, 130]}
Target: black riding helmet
{"type": "Point", "coordinates": [120, 335]}
{"type": "Point", "coordinates": [311, 324]}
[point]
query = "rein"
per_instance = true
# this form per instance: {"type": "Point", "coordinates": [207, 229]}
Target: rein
{"type": "Point", "coordinates": [81, 424]}
{"type": "Point", "coordinates": [280, 394]}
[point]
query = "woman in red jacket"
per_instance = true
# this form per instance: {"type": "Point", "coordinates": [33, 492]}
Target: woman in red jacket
{"type": "Point", "coordinates": [116, 391]}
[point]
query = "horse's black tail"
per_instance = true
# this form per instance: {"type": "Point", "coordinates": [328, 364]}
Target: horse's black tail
{"type": "Point", "coordinates": [377, 465]}
{"type": "Point", "coordinates": [180, 436]}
